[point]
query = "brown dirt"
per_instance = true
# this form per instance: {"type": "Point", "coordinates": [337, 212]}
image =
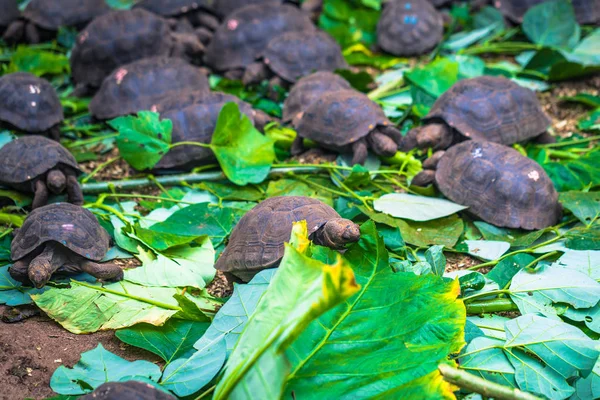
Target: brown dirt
{"type": "Point", "coordinates": [31, 350]}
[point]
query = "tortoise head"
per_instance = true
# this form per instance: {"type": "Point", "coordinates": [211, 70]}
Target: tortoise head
{"type": "Point", "coordinates": [338, 232]}
{"type": "Point", "coordinates": [39, 273]}
{"type": "Point", "coordinates": [56, 181]}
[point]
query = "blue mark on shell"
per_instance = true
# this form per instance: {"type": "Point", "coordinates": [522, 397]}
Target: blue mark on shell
{"type": "Point", "coordinates": [87, 255]}
{"type": "Point", "coordinates": [64, 242]}
{"type": "Point", "coordinates": [411, 19]}
{"type": "Point", "coordinates": [408, 6]}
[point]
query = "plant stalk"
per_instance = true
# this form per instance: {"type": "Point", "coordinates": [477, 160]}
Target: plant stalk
{"type": "Point", "coordinates": [490, 306]}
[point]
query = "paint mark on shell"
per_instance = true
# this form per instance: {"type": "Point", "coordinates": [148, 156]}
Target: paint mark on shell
{"type": "Point", "coordinates": [68, 227]}
{"type": "Point", "coordinates": [83, 37]}
{"type": "Point", "coordinates": [154, 108]}
{"type": "Point", "coordinates": [534, 175]}
{"type": "Point", "coordinates": [34, 89]}
{"type": "Point", "coordinates": [232, 24]}
{"type": "Point", "coordinates": [120, 74]}
{"type": "Point", "coordinates": [477, 153]}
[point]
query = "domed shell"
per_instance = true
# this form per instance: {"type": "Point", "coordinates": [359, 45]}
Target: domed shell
{"type": "Point", "coordinates": [9, 11]}
{"type": "Point", "coordinates": [30, 156]}
{"type": "Point", "coordinates": [341, 118]}
{"type": "Point", "coordinates": [141, 85]}
{"type": "Point", "coordinates": [116, 39]}
{"type": "Point", "coordinates": [225, 7]}
{"type": "Point", "coordinates": [245, 34]}
{"type": "Point", "coordinates": [499, 185]}
{"type": "Point", "coordinates": [309, 89]}
{"type": "Point", "coordinates": [72, 226]}
{"type": "Point", "coordinates": [196, 122]}
{"type": "Point", "coordinates": [171, 8]}
{"type": "Point", "coordinates": [297, 54]}
{"type": "Point", "coordinates": [52, 14]}
{"type": "Point", "coordinates": [29, 103]}
{"type": "Point", "coordinates": [586, 11]}
{"type": "Point", "coordinates": [128, 390]}
{"type": "Point", "coordinates": [257, 241]}
{"type": "Point", "coordinates": [491, 108]}
{"type": "Point", "coordinates": [409, 27]}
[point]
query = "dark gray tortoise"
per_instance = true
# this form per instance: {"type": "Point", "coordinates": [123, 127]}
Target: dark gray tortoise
{"type": "Point", "coordinates": [142, 84]}
{"type": "Point", "coordinates": [121, 37]}
{"type": "Point", "coordinates": [293, 55]}
{"type": "Point", "coordinates": [309, 89]}
{"type": "Point", "coordinates": [36, 164]}
{"type": "Point", "coordinates": [348, 121]}
{"type": "Point", "coordinates": [62, 238]}
{"type": "Point", "coordinates": [244, 35]}
{"type": "Point", "coordinates": [30, 104]}
{"type": "Point", "coordinates": [9, 13]}
{"type": "Point", "coordinates": [483, 108]}
{"type": "Point", "coordinates": [497, 183]}
{"type": "Point", "coordinates": [42, 18]}
{"type": "Point", "coordinates": [129, 390]}
{"type": "Point", "coordinates": [257, 241]}
{"type": "Point", "coordinates": [409, 27]}
{"type": "Point", "coordinates": [586, 11]}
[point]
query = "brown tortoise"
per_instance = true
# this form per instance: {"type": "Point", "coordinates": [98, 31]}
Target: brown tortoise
{"type": "Point", "coordinates": [257, 241]}
{"type": "Point", "coordinates": [142, 84]}
{"type": "Point", "coordinates": [483, 108]}
{"type": "Point", "coordinates": [497, 183]}
{"type": "Point", "coordinates": [62, 238]}
{"type": "Point", "coordinates": [36, 164]}
{"type": "Point", "coordinates": [9, 13]}
{"type": "Point", "coordinates": [30, 104]}
{"type": "Point", "coordinates": [128, 390]}
{"type": "Point", "coordinates": [409, 27]}
{"type": "Point", "coordinates": [348, 121]}
{"type": "Point", "coordinates": [586, 11]}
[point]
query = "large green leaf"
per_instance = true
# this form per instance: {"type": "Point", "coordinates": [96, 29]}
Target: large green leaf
{"type": "Point", "coordinates": [12, 293]}
{"type": "Point", "coordinates": [584, 261]}
{"type": "Point", "coordinates": [584, 237]}
{"type": "Point", "coordinates": [245, 155]}
{"type": "Point", "coordinates": [415, 208]}
{"type": "Point", "coordinates": [484, 356]}
{"type": "Point", "coordinates": [588, 388]}
{"type": "Point", "coordinates": [358, 351]}
{"type": "Point", "coordinates": [99, 366]}
{"type": "Point", "coordinates": [430, 82]}
{"type": "Point", "coordinates": [552, 23]}
{"type": "Point", "coordinates": [38, 61]}
{"type": "Point", "coordinates": [585, 206]}
{"type": "Point", "coordinates": [301, 291]}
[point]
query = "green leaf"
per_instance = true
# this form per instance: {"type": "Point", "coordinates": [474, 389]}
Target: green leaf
{"type": "Point", "coordinates": [506, 269]}
{"type": "Point", "coordinates": [586, 262]}
{"type": "Point", "coordinates": [415, 208]}
{"type": "Point", "coordinates": [485, 249]}
{"type": "Point", "coordinates": [552, 24]}
{"type": "Point", "coordinates": [585, 206]}
{"type": "Point", "coordinates": [435, 257]}
{"type": "Point", "coordinates": [161, 241]}
{"type": "Point", "coordinates": [99, 366]}
{"type": "Point", "coordinates": [301, 291]}
{"type": "Point", "coordinates": [349, 22]}
{"type": "Point", "coordinates": [575, 174]}
{"type": "Point", "coordinates": [517, 238]}
{"type": "Point", "coordinates": [229, 192]}
{"type": "Point", "coordinates": [430, 82]}
{"type": "Point", "coordinates": [243, 152]}
{"type": "Point", "coordinates": [20, 199]}
{"type": "Point", "coordinates": [38, 62]}
{"type": "Point", "coordinates": [12, 293]}
{"type": "Point", "coordinates": [170, 341]}
{"type": "Point", "coordinates": [583, 237]}
{"type": "Point", "coordinates": [350, 352]}
{"type": "Point", "coordinates": [589, 316]}
{"type": "Point", "coordinates": [292, 187]}
{"type": "Point", "coordinates": [484, 357]}
{"type": "Point", "coordinates": [142, 140]}
{"type": "Point", "coordinates": [588, 388]}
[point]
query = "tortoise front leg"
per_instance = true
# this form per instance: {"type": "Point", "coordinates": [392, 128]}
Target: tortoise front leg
{"type": "Point", "coordinates": [382, 144]}
{"type": "Point", "coordinates": [297, 146]}
{"type": "Point", "coordinates": [234, 74]}
{"type": "Point", "coordinates": [432, 162]}
{"type": "Point", "coordinates": [54, 133]}
{"type": "Point", "coordinates": [32, 34]}
{"type": "Point", "coordinates": [18, 271]}
{"type": "Point", "coordinates": [74, 192]}
{"type": "Point", "coordinates": [424, 178]}
{"type": "Point", "coordinates": [392, 132]}
{"type": "Point", "coordinates": [545, 138]}
{"type": "Point", "coordinates": [187, 46]}
{"type": "Point", "coordinates": [256, 73]}
{"type": "Point", "coordinates": [40, 197]}
{"type": "Point", "coordinates": [204, 35]}
{"type": "Point", "coordinates": [14, 33]}
{"type": "Point", "coordinates": [360, 152]}
{"type": "Point", "coordinates": [102, 271]}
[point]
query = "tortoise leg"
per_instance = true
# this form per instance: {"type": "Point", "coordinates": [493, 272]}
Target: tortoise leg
{"type": "Point", "coordinates": [382, 144]}
{"type": "Point", "coordinates": [206, 20]}
{"type": "Point", "coordinates": [432, 162]}
{"type": "Point", "coordinates": [40, 197]}
{"type": "Point", "coordinates": [18, 271]}
{"type": "Point", "coordinates": [256, 73]}
{"type": "Point", "coordinates": [360, 152]}
{"type": "Point", "coordinates": [81, 90]}
{"type": "Point", "coordinates": [261, 119]}
{"type": "Point", "coordinates": [73, 189]}
{"type": "Point", "coordinates": [297, 146]}
{"type": "Point", "coordinates": [424, 178]}
{"type": "Point", "coordinates": [392, 132]}
{"type": "Point", "coordinates": [545, 138]}
{"type": "Point", "coordinates": [436, 136]}
{"type": "Point", "coordinates": [14, 33]}
{"type": "Point", "coordinates": [274, 83]}
{"type": "Point", "coordinates": [204, 35]}
{"type": "Point", "coordinates": [32, 34]}
{"type": "Point", "coordinates": [102, 271]}
{"type": "Point", "coordinates": [234, 74]}
{"type": "Point", "coordinates": [47, 263]}
{"type": "Point", "coordinates": [409, 141]}
{"type": "Point", "coordinates": [54, 133]}
{"type": "Point", "coordinates": [187, 46]}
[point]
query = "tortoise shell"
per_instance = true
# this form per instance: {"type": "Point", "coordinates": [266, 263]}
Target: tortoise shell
{"type": "Point", "coordinates": [491, 108]}
{"type": "Point", "coordinates": [128, 390]}
{"type": "Point", "coordinates": [586, 11]}
{"type": "Point", "coordinates": [172, 8]}
{"type": "Point", "coordinates": [26, 158]}
{"type": "Point", "coordinates": [52, 14]}
{"type": "Point", "coordinates": [29, 103]}
{"type": "Point", "coordinates": [196, 122]}
{"type": "Point", "coordinates": [309, 89]}
{"type": "Point", "coordinates": [257, 241]}
{"type": "Point", "coordinates": [338, 119]}
{"type": "Point", "coordinates": [499, 185]}
{"type": "Point", "coordinates": [408, 27]}
{"type": "Point", "coordinates": [141, 85]}
{"type": "Point", "coordinates": [72, 226]}
{"type": "Point", "coordinates": [115, 39]}
{"type": "Point", "coordinates": [9, 11]}
{"type": "Point", "coordinates": [225, 7]}
{"type": "Point", "coordinates": [293, 55]}
{"type": "Point", "coordinates": [245, 34]}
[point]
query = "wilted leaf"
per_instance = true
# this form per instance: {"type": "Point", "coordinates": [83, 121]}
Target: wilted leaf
{"type": "Point", "coordinates": [415, 208]}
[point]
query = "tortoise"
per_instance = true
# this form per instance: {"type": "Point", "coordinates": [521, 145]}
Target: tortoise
{"type": "Point", "coordinates": [347, 121]}
{"type": "Point", "coordinates": [30, 104]}
{"type": "Point", "coordinates": [9, 12]}
{"type": "Point", "coordinates": [141, 85]}
{"type": "Point", "coordinates": [36, 164]}
{"type": "Point", "coordinates": [586, 11]}
{"type": "Point", "coordinates": [63, 238]}
{"type": "Point", "coordinates": [309, 89]}
{"type": "Point", "coordinates": [244, 35]}
{"type": "Point", "coordinates": [409, 28]}
{"type": "Point", "coordinates": [128, 390]}
{"type": "Point", "coordinates": [257, 241]}
{"type": "Point", "coordinates": [121, 37]}
{"type": "Point", "coordinates": [295, 54]}
{"type": "Point", "coordinates": [497, 183]}
{"type": "Point", "coordinates": [484, 108]}
{"type": "Point", "coordinates": [42, 18]}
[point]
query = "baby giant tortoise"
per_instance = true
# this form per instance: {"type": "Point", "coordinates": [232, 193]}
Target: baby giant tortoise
{"type": "Point", "coordinates": [30, 104]}
{"type": "Point", "coordinates": [309, 89]}
{"type": "Point", "coordinates": [38, 165]}
{"type": "Point", "coordinates": [142, 84]}
{"type": "Point", "coordinates": [348, 121]}
{"type": "Point", "coordinates": [121, 37]}
{"type": "Point", "coordinates": [483, 108]}
{"type": "Point", "coordinates": [257, 241]}
{"type": "Point", "coordinates": [43, 18]}
{"type": "Point", "coordinates": [9, 12]}
{"type": "Point", "coordinates": [497, 183]}
{"type": "Point", "coordinates": [586, 11]}
{"type": "Point", "coordinates": [128, 390]}
{"type": "Point", "coordinates": [292, 55]}
{"type": "Point", "coordinates": [62, 238]}
{"type": "Point", "coordinates": [409, 27]}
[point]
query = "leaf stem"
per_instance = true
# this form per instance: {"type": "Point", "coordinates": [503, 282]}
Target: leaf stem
{"type": "Point", "coordinates": [99, 168]}
{"type": "Point", "coordinates": [198, 144]}
{"type": "Point", "coordinates": [485, 294]}
{"type": "Point", "coordinates": [491, 306]}
{"type": "Point", "coordinates": [206, 392]}
{"type": "Point", "coordinates": [109, 209]}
